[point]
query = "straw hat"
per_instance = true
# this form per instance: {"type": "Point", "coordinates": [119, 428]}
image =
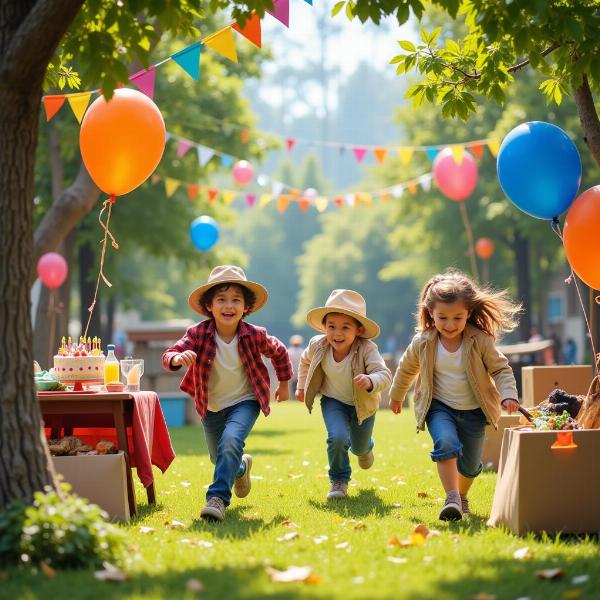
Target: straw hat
{"type": "Point", "coordinates": [228, 274]}
{"type": "Point", "coordinates": [348, 303]}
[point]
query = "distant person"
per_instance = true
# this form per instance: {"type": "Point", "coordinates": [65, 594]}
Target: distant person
{"type": "Point", "coordinates": [345, 367]}
{"type": "Point", "coordinates": [295, 352]}
{"type": "Point", "coordinates": [536, 358]}
{"type": "Point", "coordinates": [226, 376]}
{"type": "Point", "coordinates": [570, 352]}
{"type": "Point", "coordinates": [462, 378]}
{"type": "Point", "coordinates": [557, 349]}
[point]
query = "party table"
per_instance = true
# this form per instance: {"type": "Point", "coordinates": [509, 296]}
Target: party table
{"type": "Point", "coordinates": [133, 420]}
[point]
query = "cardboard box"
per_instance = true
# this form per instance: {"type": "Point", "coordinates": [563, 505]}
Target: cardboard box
{"type": "Point", "coordinates": [493, 440]}
{"type": "Point", "coordinates": [540, 488]}
{"type": "Point", "coordinates": [538, 382]}
{"type": "Point", "coordinates": [100, 479]}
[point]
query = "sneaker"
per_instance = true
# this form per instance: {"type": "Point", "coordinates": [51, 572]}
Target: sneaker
{"type": "Point", "coordinates": [464, 501]}
{"type": "Point", "coordinates": [366, 460]}
{"type": "Point", "coordinates": [339, 489]}
{"type": "Point", "coordinates": [214, 509]}
{"type": "Point", "coordinates": [451, 511]}
{"type": "Point", "coordinates": [242, 484]}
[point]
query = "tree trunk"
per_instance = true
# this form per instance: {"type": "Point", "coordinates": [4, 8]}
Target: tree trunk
{"type": "Point", "coordinates": [590, 124]}
{"type": "Point", "coordinates": [29, 34]}
{"type": "Point", "coordinates": [523, 283]}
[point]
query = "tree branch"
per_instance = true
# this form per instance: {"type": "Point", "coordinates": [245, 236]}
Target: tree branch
{"type": "Point", "coordinates": [588, 116]}
{"type": "Point", "coordinates": [545, 52]}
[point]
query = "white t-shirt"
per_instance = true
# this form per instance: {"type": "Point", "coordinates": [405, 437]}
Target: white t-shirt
{"type": "Point", "coordinates": [337, 382]}
{"type": "Point", "coordinates": [450, 383]}
{"type": "Point", "coordinates": [227, 383]}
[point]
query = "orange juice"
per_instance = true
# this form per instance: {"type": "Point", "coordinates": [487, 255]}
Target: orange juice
{"type": "Point", "coordinates": [111, 372]}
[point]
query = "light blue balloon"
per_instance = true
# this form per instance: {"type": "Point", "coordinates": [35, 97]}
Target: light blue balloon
{"type": "Point", "coordinates": [204, 232]}
{"type": "Point", "coordinates": [539, 169]}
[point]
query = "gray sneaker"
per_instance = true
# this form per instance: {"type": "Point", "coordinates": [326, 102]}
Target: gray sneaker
{"type": "Point", "coordinates": [464, 502]}
{"type": "Point", "coordinates": [366, 460]}
{"type": "Point", "coordinates": [452, 510]}
{"type": "Point", "coordinates": [214, 509]}
{"type": "Point", "coordinates": [242, 484]}
{"type": "Point", "coordinates": [339, 489]}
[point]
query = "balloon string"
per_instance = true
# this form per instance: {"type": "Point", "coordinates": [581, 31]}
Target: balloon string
{"type": "Point", "coordinates": [572, 278]}
{"type": "Point", "coordinates": [107, 233]}
{"type": "Point", "coordinates": [469, 233]}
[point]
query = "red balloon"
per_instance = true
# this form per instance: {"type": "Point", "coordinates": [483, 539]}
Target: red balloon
{"type": "Point", "coordinates": [484, 248]}
{"type": "Point", "coordinates": [455, 181]}
{"type": "Point", "coordinates": [581, 239]}
{"type": "Point", "coordinates": [52, 269]}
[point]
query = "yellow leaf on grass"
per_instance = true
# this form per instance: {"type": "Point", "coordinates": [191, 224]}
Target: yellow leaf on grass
{"type": "Point", "coordinates": [483, 596]}
{"type": "Point", "coordinates": [288, 523]}
{"type": "Point", "coordinates": [423, 495]}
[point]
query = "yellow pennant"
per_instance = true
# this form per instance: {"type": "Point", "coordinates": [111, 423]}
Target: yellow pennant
{"type": "Point", "coordinates": [264, 200]}
{"type": "Point", "coordinates": [223, 43]}
{"type": "Point", "coordinates": [321, 203]}
{"type": "Point", "coordinates": [457, 153]}
{"type": "Point", "coordinates": [494, 146]}
{"type": "Point", "coordinates": [171, 186]}
{"type": "Point", "coordinates": [228, 196]}
{"type": "Point", "coordinates": [405, 155]}
{"type": "Point", "coordinates": [367, 199]}
{"type": "Point", "coordinates": [79, 103]}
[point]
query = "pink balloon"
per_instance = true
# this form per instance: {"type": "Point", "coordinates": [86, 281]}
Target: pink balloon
{"type": "Point", "coordinates": [52, 269]}
{"type": "Point", "coordinates": [243, 173]}
{"type": "Point", "coordinates": [455, 181]}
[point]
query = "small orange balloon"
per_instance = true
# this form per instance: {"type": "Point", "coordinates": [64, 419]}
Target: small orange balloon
{"type": "Point", "coordinates": [484, 248]}
{"type": "Point", "coordinates": [581, 239]}
{"type": "Point", "coordinates": [122, 140]}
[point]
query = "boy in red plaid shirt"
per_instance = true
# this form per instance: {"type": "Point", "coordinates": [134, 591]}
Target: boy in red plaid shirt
{"type": "Point", "coordinates": [227, 376]}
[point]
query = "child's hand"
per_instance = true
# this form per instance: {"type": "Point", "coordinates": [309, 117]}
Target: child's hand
{"type": "Point", "coordinates": [396, 406]}
{"type": "Point", "coordinates": [186, 359]}
{"type": "Point", "coordinates": [363, 382]}
{"type": "Point", "coordinates": [510, 405]}
{"type": "Point", "coordinates": [282, 393]}
{"type": "Point", "coordinates": [300, 395]}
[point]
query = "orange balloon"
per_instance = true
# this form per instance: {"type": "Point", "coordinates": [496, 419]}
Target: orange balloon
{"type": "Point", "coordinates": [122, 140]}
{"type": "Point", "coordinates": [484, 248]}
{"type": "Point", "coordinates": [581, 239]}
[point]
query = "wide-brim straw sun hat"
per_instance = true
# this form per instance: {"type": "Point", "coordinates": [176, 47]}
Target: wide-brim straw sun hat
{"type": "Point", "coordinates": [346, 302]}
{"type": "Point", "coordinates": [228, 274]}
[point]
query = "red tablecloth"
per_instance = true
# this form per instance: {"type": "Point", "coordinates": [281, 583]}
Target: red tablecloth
{"type": "Point", "coordinates": [148, 437]}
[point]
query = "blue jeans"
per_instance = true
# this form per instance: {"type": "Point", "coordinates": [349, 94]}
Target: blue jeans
{"type": "Point", "coordinates": [343, 434]}
{"type": "Point", "coordinates": [226, 432]}
{"type": "Point", "coordinates": [457, 433]}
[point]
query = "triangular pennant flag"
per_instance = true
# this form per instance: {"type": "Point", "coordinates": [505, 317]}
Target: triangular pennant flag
{"type": "Point", "coordinates": [405, 155]}
{"type": "Point", "coordinates": [52, 105]}
{"type": "Point", "coordinates": [264, 200]}
{"type": "Point", "coordinates": [477, 150]}
{"type": "Point", "coordinates": [250, 199]}
{"type": "Point", "coordinates": [380, 154]}
{"type": "Point", "coordinates": [192, 190]}
{"type": "Point", "coordinates": [226, 161]}
{"type": "Point", "coordinates": [251, 30]}
{"type": "Point", "coordinates": [183, 146]}
{"type": "Point", "coordinates": [244, 136]}
{"type": "Point", "coordinates": [277, 188]}
{"type": "Point", "coordinates": [223, 43]}
{"type": "Point", "coordinates": [79, 102]}
{"type": "Point", "coordinates": [204, 154]}
{"type": "Point", "coordinates": [457, 153]}
{"type": "Point", "coordinates": [494, 146]}
{"type": "Point", "coordinates": [397, 191]}
{"type": "Point", "coordinates": [412, 187]}
{"type": "Point", "coordinates": [342, 150]}
{"type": "Point", "coordinates": [155, 178]}
{"type": "Point", "coordinates": [283, 202]}
{"type": "Point", "coordinates": [228, 197]}
{"type": "Point", "coordinates": [281, 11]}
{"type": "Point", "coordinates": [295, 192]}
{"type": "Point", "coordinates": [171, 186]}
{"type": "Point", "coordinates": [359, 152]}
{"type": "Point", "coordinates": [304, 203]}
{"type": "Point", "coordinates": [385, 197]}
{"type": "Point", "coordinates": [321, 203]}
{"type": "Point", "coordinates": [144, 81]}
{"type": "Point", "coordinates": [431, 152]}
{"type": "Point", "coordinates": [189, 60]}
{"type": "Point", "coordinates": [366, 199]}
{"type": "Point", "coordinates": [290, 143]}
{"type": "Point", "coordinates": [349, 198]}
{"type": "Point", "coordinates": [339, 201]}
{"type": "Point", "coordinates": [212, 194]}
{"type": "Point", "coordinates": [308, 2]}
{"type": "Point", "coordinates": [425, 181]}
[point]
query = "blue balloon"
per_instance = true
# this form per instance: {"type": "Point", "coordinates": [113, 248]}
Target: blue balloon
{"type": "Point", "coordinates": [539, 169]}
{"type": "Point", "coordinates": [204, 232]}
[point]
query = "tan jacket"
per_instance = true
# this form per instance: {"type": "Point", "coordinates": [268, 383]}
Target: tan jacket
{"type": "Point", "coordinates": [365, 360]}
{"type": "Point", "coordinates": [488, 372]}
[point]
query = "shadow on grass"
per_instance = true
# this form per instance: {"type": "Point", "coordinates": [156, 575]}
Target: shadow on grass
{"type": "Point", "coordinates": [275, 432]}
{"type": "Point", "coordinates": [366, 502]}
{"type": "Point", "coordinates": [239, 523]}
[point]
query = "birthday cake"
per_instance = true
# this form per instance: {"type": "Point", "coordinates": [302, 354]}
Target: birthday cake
{"type": "Point", "coordinates": [79, 362]}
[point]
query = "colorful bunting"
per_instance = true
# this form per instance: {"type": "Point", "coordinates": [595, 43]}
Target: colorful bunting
{"type": "Point", "coordinates": [223, 43]}
{"type": "Point", "coordinates": [251, 30]}
{"type": "Point", "coordinates": [494, 146]}
{"type": "Point", "coordinates": [250, 199]}
{"type": "Point", "coordinates": [192, 191]}
{"type": "Point", "coordinates": [321, 203]}
{"type": "Point", "coordinates": [281, 11]}
{"type": "Point", "coordinates": [359, 152]}
{"type": "Point", "coordinates": [212, 194]}
{"type": "Point", "coordinates": [264, 200]}
{"type": "Point", "coordinates": [226, 160]}
{"type": "Point", "coordinates": [431, 152]}
{"type": "Point", "coordinates": [477, 150]}
{"type": "Point", "coordinates": [457, 153]}
{"type": "Point", "coordinates": [183, 146]}
{"type": "Point", "coordinates": [189, 60]}
{"type": "Point", "coordinates": [144, 81]}
{"type": "Point", "coordinates": [290, 143]}
{"type": "Point", "coordinates": [282, 202]}
{"type": "Point", "coordinates": [52, 105]}
{"type": "Point", "coordinates": [79, 103]}
{"type": "Point", "coordinates": [171, 186]}
{"type": "Point", "coordinates": [380, 154]}
{"type": "Point", "coordinates": [405, 155]}
{"type": "Point", "coordinates": [228, 197]}
{"type": "Point", "coordinates": [204, 155]}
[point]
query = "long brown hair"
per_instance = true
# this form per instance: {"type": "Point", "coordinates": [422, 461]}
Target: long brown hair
{"type": "Point", "coordinates": [491, 311]}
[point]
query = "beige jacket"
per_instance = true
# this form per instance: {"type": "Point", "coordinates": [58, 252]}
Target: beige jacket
{"type": "Point", "coordinates": [488, 372]}
{"type": "Point", "coordinates": [365, 360]}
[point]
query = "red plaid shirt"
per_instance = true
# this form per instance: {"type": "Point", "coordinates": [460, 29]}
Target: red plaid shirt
{"type": "Point", "coordinates": [253, 342]}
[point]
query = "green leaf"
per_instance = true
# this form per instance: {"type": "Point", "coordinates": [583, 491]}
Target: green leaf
{"type": "Point", "coordinates": [350, 10]}
{"type": "Point", "coordinates": [407, 45]}
{"type": "Point", "coordinates": [337, 7]}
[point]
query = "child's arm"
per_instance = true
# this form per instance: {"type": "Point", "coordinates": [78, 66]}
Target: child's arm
{"type": "Point", "coordinates": [182, 353]}
{"type": "Point", "coordinates": [378, 377]}
{"type": "Point", "coordinates": [497, 366]}
{"type": "Point", "coordinates": [406, 372]}
{"type": "Point", "coordinates": [275, 350]}
{"type": "Point", "coordinates": [305, 359]}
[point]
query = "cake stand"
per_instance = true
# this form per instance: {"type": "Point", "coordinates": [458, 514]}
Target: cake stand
{"type": "Point", "coordinates": [79, 383]}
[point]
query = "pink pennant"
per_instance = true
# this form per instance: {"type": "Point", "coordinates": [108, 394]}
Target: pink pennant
{"type": "Point", "coordinates": [144, 81]}
{"type": "Point", "coordinates": [359, 152]}
{"type": "Point", "coordinates": [251, 199]}
{"type": "Point", "coordinates": [290, 143]}
{"type": "Point", "coordinates": [281, 11]}
{"type": "Point", "coordinates": [183, 146]}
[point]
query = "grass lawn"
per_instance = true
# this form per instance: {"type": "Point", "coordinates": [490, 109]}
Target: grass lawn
{"type": "Point", "coordinates": [345, 542]}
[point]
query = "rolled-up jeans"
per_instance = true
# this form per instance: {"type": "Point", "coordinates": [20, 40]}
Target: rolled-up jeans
{"type": "Point", "coordinates": [226, 432]}
{"type": "Point", "coordinates": [344, 434]}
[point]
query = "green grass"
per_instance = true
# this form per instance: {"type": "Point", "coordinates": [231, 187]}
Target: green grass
{"type": "Point", "coordinates": [290, 482]}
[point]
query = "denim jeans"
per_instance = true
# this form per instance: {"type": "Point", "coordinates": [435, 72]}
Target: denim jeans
{"type": "Point", "coordinates": [457, 433]}
{"type": "Point", "coordinates": [343, 434]}
{"type": "Point", "coordinates": [226, 432]}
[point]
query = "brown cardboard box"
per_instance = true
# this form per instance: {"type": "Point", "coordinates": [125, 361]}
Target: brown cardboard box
{"type": "Point", "coordinates": [544, 489]}
{"type": "Point", "coordinates": [100, 479]}
{"type": "Point", "coordinates": [538, 382]}
{"type": "Point", "coordinates": [493, 440]}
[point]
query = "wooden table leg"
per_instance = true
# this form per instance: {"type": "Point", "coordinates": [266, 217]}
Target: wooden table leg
{"type": "Point", "coordinates": [151, 494]}
{"type": "Point", "coordinates": [122, 443]}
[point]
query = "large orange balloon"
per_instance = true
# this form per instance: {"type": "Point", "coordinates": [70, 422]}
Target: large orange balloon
{"type": "Point", "coordinates": [484, 248]}
{"type": "Point", "coordinates": [122, 140]}
{"type": "Point", "coordinates": [581, 236]}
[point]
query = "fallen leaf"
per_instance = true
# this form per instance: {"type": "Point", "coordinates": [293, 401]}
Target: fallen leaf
{"type": "Point", "coordinates": [305, 463]}
{"type": "Point", "coordinates": [110, 573]}
{"type": "Point", "coordinates": [342, 545]}
{"type": "Point", "coordinates": [185, 484]}
{"type": "Point", "coordinates": [422, 494]}
{"type": "Point", "coordinates": [572, 593]}
{"type": "Point", "coordinates": [289, 575]}
{"type": "Point", "coordinates": [397, 560]}
{"type": "Point", "coordinates": [175, 524]}
{"type": "Point", "coordinates": [147, 530]}
{"type": "Point", "coordinates": [483, 596]}
{"type": "Point", "coordinates": [288, 523]}
{"type": "Point", "coordinates": [417, 539]}
{"type": "Point", "coordinates": [455, 538]}
{"type": "Point", "coordinates": [256, 477]}
{"type": "Point", "coordinates": [194, 585]}
{"type": "Point", "coordinates": [360, 525]}
{"type": "Point", "coordinates": [428, 559]}
{"type": "Point", "coordinates": [382, 488]}
{"type": "Point", "coordinates": [289, 536]}
{"type": "Point", "coordinates": [47, 570]}
{"type": "Point", "coordinates": [522, 553]}
{"type": "Point", "coordinates": [397, 505]}
{"type": "Point", "coordinates": [393, 541]}
{"type": "Point", "coordinates": [294, 476]}
{"type": "Point", "coordinates": [422, 529]}
{"type": "Point", "coordinates": [320, 539]}
{"type": "Point", "coordinates": [579, 579]}
{"type": "Point", "coordinates": [358, 580]}
{"type": "Point", "coordinates": [313, 579]}
{"type": "Point", "coordinates": [550, 573]}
